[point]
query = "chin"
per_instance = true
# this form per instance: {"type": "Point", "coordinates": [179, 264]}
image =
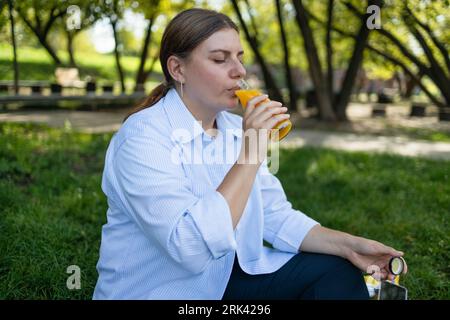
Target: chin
{"type": "Point", "coordinates": [232, 103]}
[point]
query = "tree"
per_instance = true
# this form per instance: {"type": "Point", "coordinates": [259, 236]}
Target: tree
{"type": "Point", "coordinates": [40, 17]}
{"type": "Point", "coordinates": [151, 9]}
{"type": "Point", "coordinates": [252, 39]}
{"type": "Point", "coordinates": [331, 108]}
{"type": "Point", "coordinates": [113, 10]}
{"type": "Point", "coordinates": [289, 80]}
{"type": "Point", "coordinates": [13, 40]}
{"type": "Point", "coordinates": [141, 75]}
{"type": "Point", "coordinates": [434, 62]}
{"type": "Point", "coordinates": [90, 13]}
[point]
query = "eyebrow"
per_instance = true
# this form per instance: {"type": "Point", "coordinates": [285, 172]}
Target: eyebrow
{"type": "Point", "coordinates": [225, 51]}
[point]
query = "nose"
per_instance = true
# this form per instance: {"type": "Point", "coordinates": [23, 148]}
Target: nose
{"type": "Point", "coordinates": [238, 70]}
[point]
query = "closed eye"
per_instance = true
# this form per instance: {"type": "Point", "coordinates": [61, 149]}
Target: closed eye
{"type": "Point", "coordinates": [223, 61]}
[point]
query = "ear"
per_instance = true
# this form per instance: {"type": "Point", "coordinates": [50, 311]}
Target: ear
{"type": "Point", "coordinates": [175, 66]}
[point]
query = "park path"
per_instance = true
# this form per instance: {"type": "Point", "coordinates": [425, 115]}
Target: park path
{"type": "Point", "coordinates": [99, 122]}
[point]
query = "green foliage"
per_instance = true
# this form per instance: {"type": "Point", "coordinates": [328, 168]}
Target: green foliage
{"type": "Point", "coordinates": [52, 208]}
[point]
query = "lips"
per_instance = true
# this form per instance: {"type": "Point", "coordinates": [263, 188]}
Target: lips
{"type": "Point", "coordinates": [234, 88]}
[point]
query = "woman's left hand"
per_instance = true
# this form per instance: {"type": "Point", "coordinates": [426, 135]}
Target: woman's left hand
{"type": "Point", "coordinates": [372, 257]}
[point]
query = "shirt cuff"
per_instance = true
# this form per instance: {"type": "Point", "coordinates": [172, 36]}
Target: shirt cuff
{"type": "Point", "coordinates": [212, 217]}
{"type": "Point", "coordinates": [293, 231]}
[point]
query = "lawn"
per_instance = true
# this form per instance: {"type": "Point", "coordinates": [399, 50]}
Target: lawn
{"type": "Point", "coordinates": [52, 208]}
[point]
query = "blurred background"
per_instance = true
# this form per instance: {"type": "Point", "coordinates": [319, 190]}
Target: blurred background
{"type": "Point", "coordinates": [367, 84]}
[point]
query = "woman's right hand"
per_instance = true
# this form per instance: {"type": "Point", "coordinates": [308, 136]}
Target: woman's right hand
{"type": "Point", "coordinates": [260, 116]}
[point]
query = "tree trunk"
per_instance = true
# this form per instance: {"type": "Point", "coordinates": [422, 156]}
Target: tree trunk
{"type": "Point", "coordinates": [271, 86]}
{"type": "Point", "coordinates": [400, 82]}
{"type": "Point", "coordinates": [315, 70]}
{"type": "Point", "coordinates": [289, 79]}
{"type": "Point", "coordinates": [51, 52]}
{"type": "Point", "coordinates": [149, 71]}
{"type": "Point", "coordinates": [117, 56]}
{"type": "Point", "coordinates": [417, 78]}
{"type": "Point", "coordinates": [13, 38]}
{"type": "Point", "coordinates": [141, 74]}
{"type": "Point", "coordinates": [354, 65]}
{"type": "Point", "coordinates": [70, 37]}
{"type": "Point", "coordinates": [410, 84]}
{"type": "Point", "coordinates": [330, 76]}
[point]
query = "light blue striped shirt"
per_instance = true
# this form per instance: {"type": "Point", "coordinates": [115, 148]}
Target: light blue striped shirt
{"type": "Point", "coordinates": [169, 233]}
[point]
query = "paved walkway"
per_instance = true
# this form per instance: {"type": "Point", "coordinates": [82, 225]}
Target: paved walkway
{"type": "Point", "coordinates": [97, 122]}
{"type": "Point", "coordinates": [368, 143]}
{"type": "Point", "coordinates": [86, 121]}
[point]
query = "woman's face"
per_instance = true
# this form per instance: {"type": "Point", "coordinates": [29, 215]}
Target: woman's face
{"type": "Point", "coordinates": [212, 71]}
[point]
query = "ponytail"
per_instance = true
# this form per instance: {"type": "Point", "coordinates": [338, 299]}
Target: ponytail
{"type": "Point", "coordinates": [157, 93]}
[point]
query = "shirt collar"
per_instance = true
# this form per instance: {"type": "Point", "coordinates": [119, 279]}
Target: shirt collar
{"type": "Point", "coordinates": [188, 128]}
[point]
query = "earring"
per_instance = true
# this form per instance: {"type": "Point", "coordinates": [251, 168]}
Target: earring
{"type": "Point", "coordinates": [181, 83]}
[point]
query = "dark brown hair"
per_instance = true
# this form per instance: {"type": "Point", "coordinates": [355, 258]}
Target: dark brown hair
{"type": "Point", "coordinates": [182, 35]}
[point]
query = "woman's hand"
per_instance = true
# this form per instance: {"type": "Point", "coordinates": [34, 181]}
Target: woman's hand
{"type": "Point", "coordinates": [368, 255]}
{"type": "Point", "coordinates": [261, 115]}
{"type": "Point", "coordinates": [371, 257]}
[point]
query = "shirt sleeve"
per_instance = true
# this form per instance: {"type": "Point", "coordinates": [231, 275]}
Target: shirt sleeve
{"type": "Point", "coordinates": [158, 197]}
{"type": "Point", "coordinates": [284, 227]}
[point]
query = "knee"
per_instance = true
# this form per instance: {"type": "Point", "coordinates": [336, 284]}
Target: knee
{"type": "Point", "coordinates": [346, 281]}
{"type": "Point", "coordinates": [340, 280]}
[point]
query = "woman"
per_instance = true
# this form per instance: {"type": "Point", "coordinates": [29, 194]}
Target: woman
{"type": "Point", "coordinates": [186, 221]}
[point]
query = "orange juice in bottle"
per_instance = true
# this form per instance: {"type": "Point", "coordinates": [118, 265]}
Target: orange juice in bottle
{"type": "Point", "coordinates": [246, 93]}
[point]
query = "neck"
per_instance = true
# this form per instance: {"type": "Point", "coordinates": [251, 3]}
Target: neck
{"type": "Point", "coordinates": [205, 115]}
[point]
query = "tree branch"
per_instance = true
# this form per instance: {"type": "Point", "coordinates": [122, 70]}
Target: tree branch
{"type": "Point", "coordinates": [387, 57]}
{"type": "Point", "coordinates": [436, 69]}
{"type": "Point", "coordinates": [433, 38]}
{"type": "Point", "coordinates": [27, 22]}
{"type": "Point", "coordinates": [252, 20]}
{"type": "Point", "coordinates": [52, 18]}
{"type": "Point", "coordinates": [438, 74]}
{"type": "Point", "coordinates": [410, 73]}
{"type": "Point", "coordinates": [394, 40]}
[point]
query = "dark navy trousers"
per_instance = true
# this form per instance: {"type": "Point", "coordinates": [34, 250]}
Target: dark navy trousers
{"type": "Point", "coordinates": [308, 276]}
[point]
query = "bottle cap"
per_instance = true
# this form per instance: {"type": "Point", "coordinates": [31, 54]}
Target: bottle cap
{"type": "Point", "coordinates": [397, 265]}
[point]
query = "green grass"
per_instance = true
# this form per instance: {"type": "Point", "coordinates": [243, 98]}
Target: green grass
{"type": "Point", "coordinates": [426, 134]}
{"type": "Point", "coordinates": [52, 208]}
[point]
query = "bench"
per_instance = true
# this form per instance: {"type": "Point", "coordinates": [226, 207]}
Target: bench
{"type": "Point", "coordinates": [418, 110]}
{"type": "Point", "coordinates": [379, 110]}
{"type": "Point", "coordinates": [91, 101]}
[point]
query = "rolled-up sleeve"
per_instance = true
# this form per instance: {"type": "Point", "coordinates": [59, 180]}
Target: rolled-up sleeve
{"type": "Point", "coordinates": [284, 227]}
{"type": "Point", "coordinates": [158, 197]}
